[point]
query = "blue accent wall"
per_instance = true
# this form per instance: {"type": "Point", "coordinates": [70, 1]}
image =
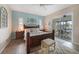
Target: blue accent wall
{"type": "Point", "coordinates": [26, 19]}
{"type": "Point", "coordinates": [16, 15]}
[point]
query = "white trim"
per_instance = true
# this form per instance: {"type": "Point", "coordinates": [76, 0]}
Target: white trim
{"type": "Point", "coordinates": [4, 45]}
{"type": "Point", "coordinates": [75, 43]}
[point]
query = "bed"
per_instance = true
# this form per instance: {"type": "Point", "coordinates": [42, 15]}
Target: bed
{"type": "Point", "coordinates": [33, 39]}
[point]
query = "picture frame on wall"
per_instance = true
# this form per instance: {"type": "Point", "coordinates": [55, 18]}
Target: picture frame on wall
{"type": "Point", "coordinates": [31, 21]}
{"type": "Point", "coordinates": [3, 17]}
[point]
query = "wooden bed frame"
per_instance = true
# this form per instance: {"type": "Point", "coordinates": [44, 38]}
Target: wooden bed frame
{"type": "Point", "coordinates": [33, 41]}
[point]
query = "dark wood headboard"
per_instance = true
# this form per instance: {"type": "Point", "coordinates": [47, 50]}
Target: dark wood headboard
{"type": "Point", "coordinates": [32, 26]}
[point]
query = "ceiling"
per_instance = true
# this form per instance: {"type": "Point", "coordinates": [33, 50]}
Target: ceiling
{"type": "Point", "coordinates": [38, 9]}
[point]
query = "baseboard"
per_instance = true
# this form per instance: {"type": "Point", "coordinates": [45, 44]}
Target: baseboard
{"type": "Point", "coordinates": [75, 43]}
{"type": "Point", "coordinates": [5, 43]}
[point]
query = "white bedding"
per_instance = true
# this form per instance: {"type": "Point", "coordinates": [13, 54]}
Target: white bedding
{"type": "Point", "coordinates": [38, 33]}
{"type": "Point", "coordinates": [35, 33]}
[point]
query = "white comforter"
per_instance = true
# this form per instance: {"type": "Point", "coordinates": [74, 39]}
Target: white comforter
{"type": "Point", "coordinates": [35, 33]}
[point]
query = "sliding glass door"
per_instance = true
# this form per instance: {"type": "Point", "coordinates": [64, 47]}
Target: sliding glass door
{"type": "Point", "coordinates": [63, 28]}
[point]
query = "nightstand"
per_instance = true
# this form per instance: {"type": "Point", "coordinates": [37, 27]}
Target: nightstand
{"type": "Point", "coordinates": [19, 34]}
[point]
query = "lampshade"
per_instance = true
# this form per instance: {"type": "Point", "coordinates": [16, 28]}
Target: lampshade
{"type": "Point", "coordinates": [20, 25]}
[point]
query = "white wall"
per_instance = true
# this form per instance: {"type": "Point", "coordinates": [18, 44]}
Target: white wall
{"type": "Point", "coordinates": [5, 33]}
{"type": "Point", "coordinates": [76, 25]}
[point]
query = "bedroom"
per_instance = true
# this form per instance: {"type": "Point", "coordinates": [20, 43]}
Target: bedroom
{"type": "Point", "coordinates": [39, 20]}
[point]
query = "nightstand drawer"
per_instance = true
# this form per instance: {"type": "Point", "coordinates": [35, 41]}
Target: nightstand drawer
{"type": "Point", "coordinates": [20, 35]}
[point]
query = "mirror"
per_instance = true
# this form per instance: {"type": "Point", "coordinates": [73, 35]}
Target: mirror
{"type": "Point", "coordinates": [3, 17]}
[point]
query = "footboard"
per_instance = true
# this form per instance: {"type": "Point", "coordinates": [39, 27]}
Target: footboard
{"type": "Point", "coordinates": [33, 41]}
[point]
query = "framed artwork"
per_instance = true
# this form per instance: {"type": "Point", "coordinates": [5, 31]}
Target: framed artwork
{"type": "Point", "coordinates": [31, 21]}
{"type": "Point", "coordinates": [3, 17]}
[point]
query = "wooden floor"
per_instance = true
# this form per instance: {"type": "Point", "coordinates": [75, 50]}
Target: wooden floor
{"type": "Point", "coordinates": [62, 47]}
{"type": "Point", "coordinates": [15, 47]}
